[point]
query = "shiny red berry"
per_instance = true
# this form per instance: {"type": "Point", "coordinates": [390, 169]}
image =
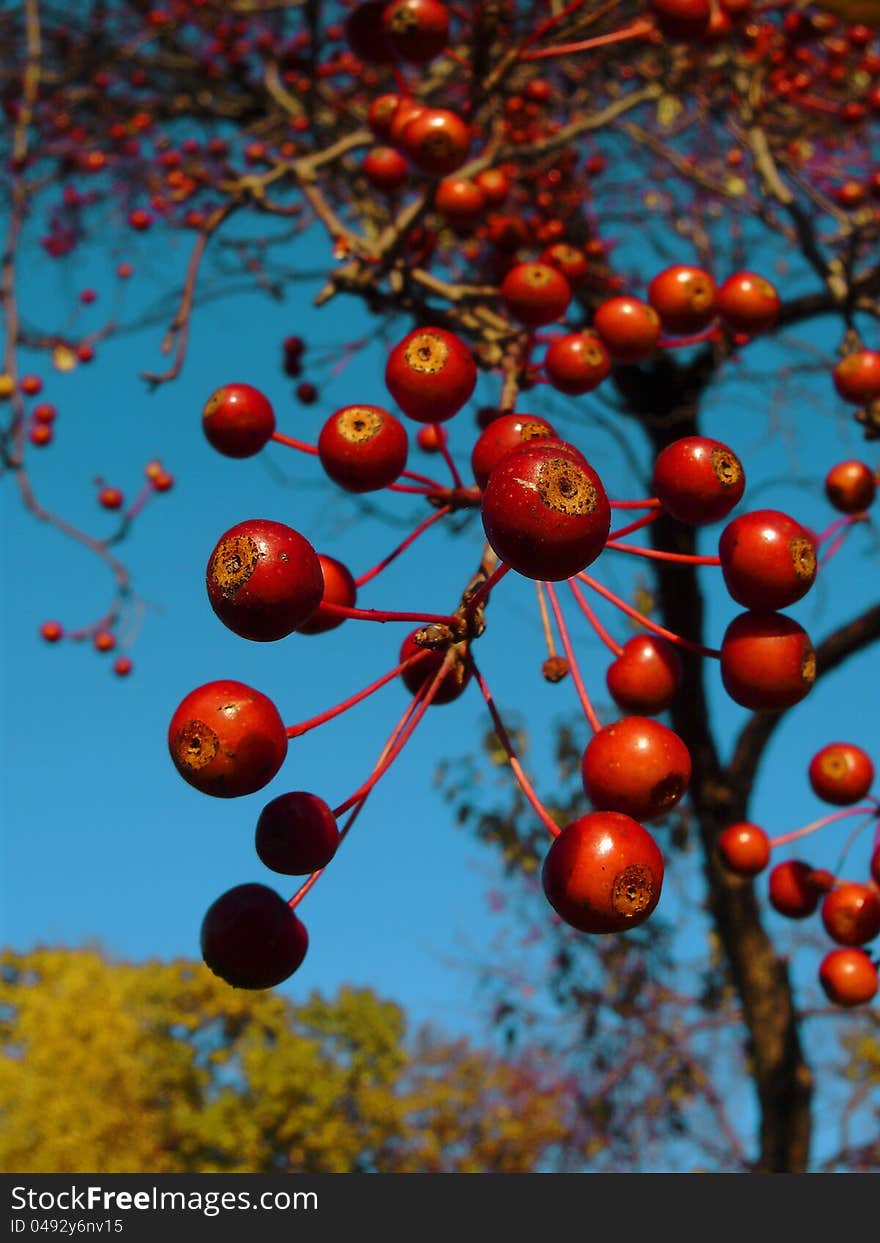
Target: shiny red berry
{"type": "Point", "coordinates": [683, 20]}
{"type": "Point", "coordinates": [238, 420]}
{"type": "Point", "coordinates": [792, 889]}
{"type": "Point", "coordinates": [296, 834]}
{"type": "Point", "coordinates": [646, 675]}
{"type": "Point", "coordinates": [768, 559]}
{"type": "Point", "coordinates": [684, 298]}
{"type": "Point", "coordinates": [841, 773]}
{"type": "Point", "coordinates": [339, 588]}
{"type": "Point", "coordinates": [251, 938]}
{"type": "Point", "coordinates": [545, 511]}
{"type": "Point", "coordinates": [569, 260]}
{"type": "Point", "coordinates": [857, 377]}
{"type": "Point", "coordinates": [535, 293]}
{"type": "Point", "coordinates": [385, 169]}
{"type": "Point", "coordinates": [748, 303]}
{"type": "Point", "coordinates": [363, 448]}
{"type": "Point", "coordinates": [51, 631]}
{"type": "Point", "coordinates": [110, 498]}
{"type": "Point", "coordinates": [460, 202]}
{"type": "Point", "coordinates": [850, 487]}
{"type": "Point", "coordinates": [577, 363]}
{"type": "Point", "coordinates": [767, 661]}
{"type": "Point", "coordinates": [263, 579]}
{"type": "Point", "coordinates": [629, 328]}
{"type": "Point", "coordinates": [226, 739]}
{"type": "Point", "coordinates": [122, 666]}
{"type": "Point", "coordinates": [851, 913]}
{"type": "Point", "coordinates": [436, 141]}
{"type": "Point", "coordinates": [603, 873]}
{"type": "Point", "coordinates": [416, 30]}
{"type": "Point", "coordinates": [636, 766]}
{"type": "Point", "coordinates": [430, 374]}
{"type": "Point", "coordinates": [848, 977]}
{"type": "Point", "coordinates": [744, 848]}
{"type": "Point", "coordinates": [502, 436]}
{"type": "Point", "coordinates": [698, 480]}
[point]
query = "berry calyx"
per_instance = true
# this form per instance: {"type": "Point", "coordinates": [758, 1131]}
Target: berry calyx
{"type": "Point", "coordinates": [251, 938]}
{"type": "Point", "coordinates": [698, 480]}
{"type": "Point", "coordinates": [636, 766]}
{"type": "Point", "coordinates": [363, 448]}
{"type": "Point", "coordinates": [263, 579]}
{"type": "Point", "coordinates": [416, 30]}
{"type": "Point", "coordinates": [646, 675]}
{"type": "Point", "coordinates": [238, 420]}
{"type": "Point", "coordinates": [841, 773]}
{"type": "Point", "coordinates": [431, 373]}
{"type": "Point", "coordinates": [545, 511]}
{"type": "Point", "coordinates": [603, 873]}
{"type": "Point", "coordinates": [296, 834]}
{"type": "Point", "coordinates": [226, 739]}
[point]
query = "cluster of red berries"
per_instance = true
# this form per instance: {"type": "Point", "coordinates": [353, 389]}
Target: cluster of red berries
{"type": "Point", "coordinates": [547, 516]}
{"type": "Point", "coordinates": [841, 774]}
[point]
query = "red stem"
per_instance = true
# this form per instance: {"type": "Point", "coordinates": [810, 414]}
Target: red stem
{"type": "Point", "coordinates": [296, 731]}
{"type": "Point", "coordinates": [683, 557]}
{"type": "Point", "coordinates": [423, 526]}
{"type": "Point", "coordinates": [646, 621]}
{"type": "Point", "coordinates": [517, 769]}
{"type": "Point", "coordinates": [586, 704]}
{"type": "Point", "coordinates": [637, 30]}
{"type": "Point", "coordinates": [636, 526]}
{"type": "Point", "coordinates": [594, 620]}
{"type": "Point", "coordinates": [294, 444]}
{"type": "Point", "coordinates": [382, 615]}
{"type": "Point", "coordinates": [652, 503]}
{"type": "Point", "coordinates": [480, 594]}
{"type": "Point", "coordinates": [821, 823]}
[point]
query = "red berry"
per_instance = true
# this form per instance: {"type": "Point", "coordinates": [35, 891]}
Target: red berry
{"type": "Point", "coordinates": [110, 498]}
{"type": "Point", "coordinates": [603, 873]}
{"type": "Point", "coordinates": [768, 559]}
{"type": "Point", "coordinates": [698, 480]}
{"type": "Point", "coordinates": [685, 20]}
{"type": "Point", "coordinates": [407, 110]}
{"type": "Point", "coordinates": [85, 352]}
{"type": "Point", "coordinates": [422, 672]}
{"type": "Point", "coordinates": [636, 766]}
{"type": "Point", "coordinates": [744, 848]}
{"type": "Point", "coordinates": [306, 393]}
{"type": "Point", "coordinates": [365, 34]}
{"type": "Point", "coordinates": [251, 938]}
{"type": "Point", "coordinates": [363, 448]}
{"type": "Point", "coordinates": [431, 374]}
{"type": "Point", "coordinates": [792, 889]}
{"type": "Point", "coordinates": [851, 913]}
{"type": "Point", "coordinates": [238, 420]}
{"type": "Point", "coordinates": [841, 773]}
{"type": "Point", "coordinates": [857, 377]}
{"type": "Point", "coordinates": [104, 641]}
{"type": "Point", "coordinates": [227, 739]}
{"type": "Point", "coordinates": [40, 435]}
{"type": "Point", "coordinates": [545, 511]}
{"type": "Point", "coordinates": [30, 385]}
{"type": "Point", "coordinates": [630, 328]}
{"type": "Point", "coordinates": [767, 661]}
{"type": "Point", "coordinates": [577, 363]}
{"type": "Point", "coordinates": [569, 260]}
{"type": "Point", "coordinates": [848, 977]}
{"type": "Point", "coordinates": [432, 437]}
{"type": "Point", "coordinates": [849, 486]}
{"type": "Point", "coordinates": [461, 202]}
{"type": "Point", "coordinates": [385, 168]}
{"type": "Point", "coordinates": [416, 30]}
{"type": "Point", "coordinates": [339, 588]}
{"type": "Point", "coordinates": [51, 631]}
{"type": "Point", "coordinates": [296, 834]}
{"type": "Point", "coordinates": [122, 666]}
{"type": "Point", "coordinates": [684, 298]}
{"type": "Point", "coordinates": [162, 481]}
{"type": "Point", "coordinates": [495, 184]}
{"type": "Point", "coordinates": [502, 436]}
{"type": "Point", "coordinates": [644, 678]}
{"type": "Point", "coordinates": [45, 412]}
{"type": "Point", "coordinates": [140, 219]}
{"type": "Point", "coordinates": [748, 303]}
{"type": "Point", "coordinates": [263, 579]}
{"type": "Point", "coordinates": [436, 141]}
{"type": "Point", "coordinates": [535, 293]}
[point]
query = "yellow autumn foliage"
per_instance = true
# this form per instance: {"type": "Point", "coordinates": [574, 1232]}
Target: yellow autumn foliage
{"type": "Point", "coordinates": [162, 1068]}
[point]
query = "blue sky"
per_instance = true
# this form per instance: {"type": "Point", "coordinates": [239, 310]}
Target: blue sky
{"type": "Point", "coordinates": [102, 841]}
